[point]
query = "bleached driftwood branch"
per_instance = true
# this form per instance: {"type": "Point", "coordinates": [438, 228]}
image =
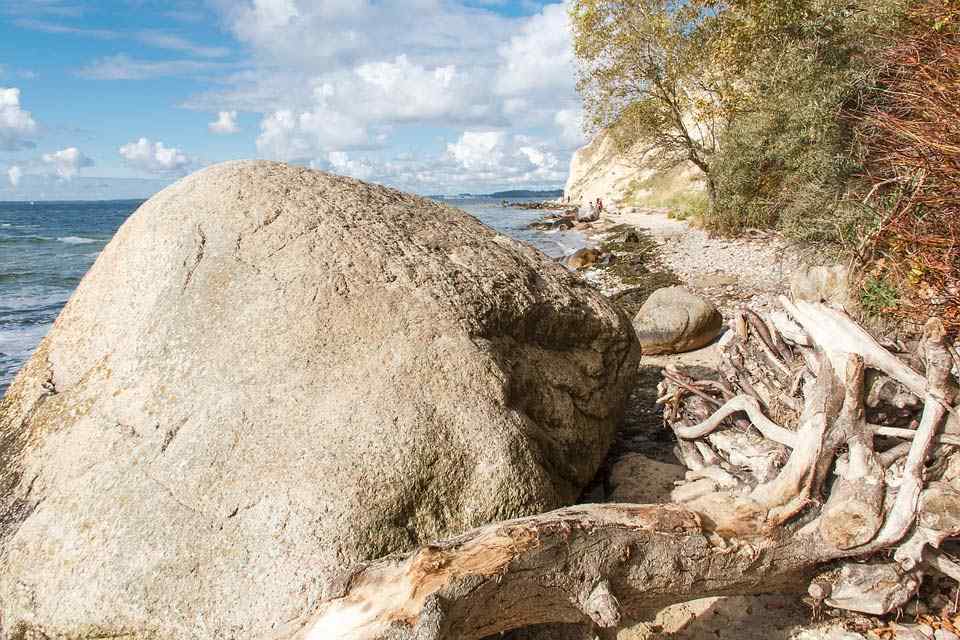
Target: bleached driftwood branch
{"type": "Point", "coordinates": [788, 473]}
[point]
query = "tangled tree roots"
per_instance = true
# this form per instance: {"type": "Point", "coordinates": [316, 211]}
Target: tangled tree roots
{"type": "Point", "coordinates": [817, 461]}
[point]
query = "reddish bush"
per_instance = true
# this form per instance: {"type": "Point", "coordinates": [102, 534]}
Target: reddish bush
{"type": "Point", "coordinates": [911, 139]}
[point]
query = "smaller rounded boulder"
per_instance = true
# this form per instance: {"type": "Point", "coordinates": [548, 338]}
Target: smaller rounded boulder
{"type": "Point", "coordinates": [583, 259]}
{"type": "Point", "coordinates": [675, 320]}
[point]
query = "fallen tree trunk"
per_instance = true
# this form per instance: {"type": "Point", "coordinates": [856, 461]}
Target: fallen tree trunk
{"type": "Point", "coordinates": [599, 563]}
{"type": "Point", "coordinates": [786, 478]}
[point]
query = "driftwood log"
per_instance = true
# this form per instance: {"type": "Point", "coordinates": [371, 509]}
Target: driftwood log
{"type": "Point", "coordinates": [817, 461]}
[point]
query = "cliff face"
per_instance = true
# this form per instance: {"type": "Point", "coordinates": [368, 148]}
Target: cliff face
{"type": "Point", "coordinates": [628, 178]}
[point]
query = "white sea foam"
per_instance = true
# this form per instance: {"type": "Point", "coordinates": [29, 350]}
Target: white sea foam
{"type": "Point", "coordinates": [21, 341]}
{"type": "Point", "coordinates": [28, 300]}
{"type": "Point", "coordinates": [76, 240]}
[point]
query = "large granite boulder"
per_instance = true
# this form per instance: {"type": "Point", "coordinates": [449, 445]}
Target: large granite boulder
{"type": "Point", "coordinates": [675, 320]}
{"type": "Point", "coordinates": [272, 373]}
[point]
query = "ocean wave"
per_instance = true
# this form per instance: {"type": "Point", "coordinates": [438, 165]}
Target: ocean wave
{"type": "Point", "coordinates": [6, 238]}
{"type": "Point", "coordinates": [16, 275]}
{"type": "Point", "coordinates": [76, 240]}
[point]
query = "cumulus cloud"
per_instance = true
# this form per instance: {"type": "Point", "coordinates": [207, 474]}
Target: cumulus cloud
{"type": "Point", "coordinates": [493, 156]}
{"type": "Point", "coordinates": [354, 77]}
{"type": "Point", "coordinates": [540, 57]}
{"type": "Point", "coordinates": [400, 90]}
{"type": "Point", "coordinates": [352, 109]}
{"type": "Point", "coordinates": [287, 135]}
{"type": "Point", "coordinates": [154, 157]}
{"type": "Point", "coordinates": [340, 162]}
{"type": "Point", "coordinates": [66, 163]}
{"type": "Point", "coordinates": [14, 174]}
{"type": "Point", "coordinates": [225, 124]}
{"type": "Point", "coordinates": [570, 124]}
{"type": "Point", "coordinates": [356, 31]}
{"type": "Point", "coordinates": [477, 150]}
{"type": "Point", "coordinates": [16, 125]}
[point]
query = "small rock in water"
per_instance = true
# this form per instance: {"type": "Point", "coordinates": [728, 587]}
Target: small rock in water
{"type": "Point", "coordinates": [583, 258]}
{"type": "Point", "coordinates": [674, 320]}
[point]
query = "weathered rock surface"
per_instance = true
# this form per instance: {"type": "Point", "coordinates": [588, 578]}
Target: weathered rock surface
{"type": "Point", "coordinates": [674, 320]}
{"type": "Point", "coordinates": [272, 373]}
{"type": "Point", "coordinates": [583, 258]}
{"type": "Point", "coordinates": [588, 214]}
{"type": "Point", "coordinates": [634, 177]}
{"type": "Point", "coordinates": [827, 283]}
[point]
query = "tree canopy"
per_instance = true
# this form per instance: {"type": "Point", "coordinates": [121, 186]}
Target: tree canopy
{"type": "Point", "coordinates": [749, 91]}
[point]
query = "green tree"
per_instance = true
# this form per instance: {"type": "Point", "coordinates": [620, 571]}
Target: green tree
{"type": "Point", "coordinates": [753, 92]}
{"type": "Point", "coordinates": [789, 156]}
{"type": "Point", "coordinates": [646, 73]}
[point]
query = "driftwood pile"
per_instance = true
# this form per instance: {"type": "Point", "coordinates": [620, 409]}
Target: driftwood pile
{"type": "Point", "coordinates": [818, 460]}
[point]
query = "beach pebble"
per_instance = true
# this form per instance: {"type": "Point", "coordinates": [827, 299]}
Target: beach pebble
{"type": "Point", "coordinates": [675, 320]}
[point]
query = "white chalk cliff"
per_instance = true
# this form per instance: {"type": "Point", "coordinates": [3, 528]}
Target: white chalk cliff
{"type": "Point", "coordinates": [626, 178]}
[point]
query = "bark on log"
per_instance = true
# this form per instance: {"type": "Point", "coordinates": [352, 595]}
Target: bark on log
{"type": "Point", "coordinates": [785, 475]}
{"type": "Point", "coordinates": [586, 563]}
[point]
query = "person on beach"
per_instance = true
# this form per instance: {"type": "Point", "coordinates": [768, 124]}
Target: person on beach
{"type": "Point", "coordinates": [591, 215]}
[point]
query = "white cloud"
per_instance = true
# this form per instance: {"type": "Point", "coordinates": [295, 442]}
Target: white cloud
{"type": "Point", "coordinates": [340, 162]}
{"type": "Point", "coordinates": [172, 42]}
{"type": "Point", "coordinates": [540, 57]}
{"type": "Point", "coordinates": [225, 124]}
{"type": "Point", "coordinates": [570, 124]}
{"type": "Point", "coordinates": [154, 157]}
{"type": "Point", "coordinates": [16, 125]}
{"type": "Point", "coordinates": [477, 150]}
{"type": "Point", "coordinates": [151, 38]}
{"type": "Point", "coordinates": [477, 161]}
{"type": "Point", "coordinates": [270, 15]}
{"type": "Point", "coordinates": [402, 91]}
{"type": "Point", "coordinates": [67, 162]}
{"type": "Point", "coordinates": [57, 28]}
{"type": "Point", "coordinates": [14, 174]}
{"type": "Point", "coordinates": [286, 135]}
{"type": "Point", "coordinates": [493, 156]}
{"type": "Point", "coordinates": [123, 67]}
{"type": "Point", "coordinates": [344, 84]}
{"type": "Point", "coordinates": [352, 110]}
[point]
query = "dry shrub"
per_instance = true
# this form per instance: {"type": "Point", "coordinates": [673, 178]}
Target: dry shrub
{"type": "Point", "coordinates": [910, 136]}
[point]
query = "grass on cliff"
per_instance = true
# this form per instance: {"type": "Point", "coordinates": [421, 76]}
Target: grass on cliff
{"type": "Point", "coordinates": [674, 189]}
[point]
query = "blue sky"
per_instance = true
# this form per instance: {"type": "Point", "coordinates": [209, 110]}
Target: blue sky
{"type": "Point", "coordinates": [117, 99]}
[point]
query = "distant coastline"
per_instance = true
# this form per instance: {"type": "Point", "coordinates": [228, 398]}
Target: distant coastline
{"type": "Point", "coordinates": [517, 193]}
{"type": "Point", "coordinates": [497, 195]}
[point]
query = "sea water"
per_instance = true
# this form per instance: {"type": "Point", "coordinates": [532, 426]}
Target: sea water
{"type": "Point", "coordinates": [47, 247]}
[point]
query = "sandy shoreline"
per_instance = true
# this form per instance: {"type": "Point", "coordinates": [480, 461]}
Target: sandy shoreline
{"type": "Point", "coordinates": [641, 466]}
